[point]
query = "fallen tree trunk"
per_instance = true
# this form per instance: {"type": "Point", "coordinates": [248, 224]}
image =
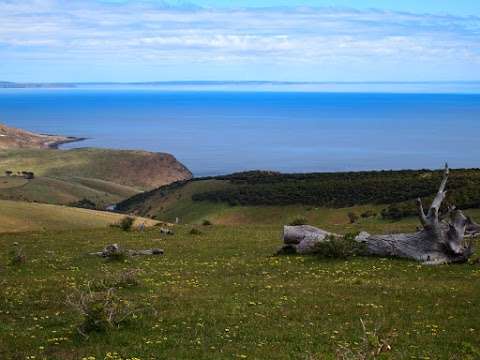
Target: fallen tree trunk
{"type": "Point", "coordinates": [114, 250]}
{"type": "Point", "coordinates": [442, 240]}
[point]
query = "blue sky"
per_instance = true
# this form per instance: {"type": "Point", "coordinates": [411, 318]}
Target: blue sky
{"type": "Point", "coordinates": [459, 7]}
{"type": "Point", "coordinates": [294, 40]}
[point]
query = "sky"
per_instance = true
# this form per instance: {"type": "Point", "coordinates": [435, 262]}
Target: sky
{"type": "Point", "coordinates": [294, 40]}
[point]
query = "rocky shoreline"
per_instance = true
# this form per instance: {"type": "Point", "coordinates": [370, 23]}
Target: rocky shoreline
{"type": "Point", "coordinates": [67, 140]}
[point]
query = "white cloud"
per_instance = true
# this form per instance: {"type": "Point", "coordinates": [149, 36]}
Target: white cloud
{"type": "Point", "coordinates": [80, 30]}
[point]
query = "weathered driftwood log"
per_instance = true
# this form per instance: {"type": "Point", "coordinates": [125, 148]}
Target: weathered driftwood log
{"type": "Point", "coordinates": [441, 239]}
{"type": "Point", "coordinates": [114, 250]}
{"type": "Point", "coordinates": [303, 239]}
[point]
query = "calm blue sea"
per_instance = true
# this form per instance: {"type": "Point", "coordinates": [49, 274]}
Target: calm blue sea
{"type": "Point", "coordinates": [222, 132]}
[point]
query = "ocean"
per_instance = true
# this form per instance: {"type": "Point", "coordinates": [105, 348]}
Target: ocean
{"type": "Point", "coordinates": [219, 132]}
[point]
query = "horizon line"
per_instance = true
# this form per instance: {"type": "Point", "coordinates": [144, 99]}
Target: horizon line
{"type": "Point", "coordinates": [207, 82]}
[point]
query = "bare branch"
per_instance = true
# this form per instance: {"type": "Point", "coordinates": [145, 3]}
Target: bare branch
{"type": "Point", "coordinates": [421, 213]}
{"type": "Point", "coordinates": [437, 201]}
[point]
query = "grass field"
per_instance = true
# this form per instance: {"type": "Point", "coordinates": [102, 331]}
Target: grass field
{"type": "Point", "coordinates": [222, 295]}
{"type": "Point", "coordinates": [63, 192]}
{"type": "Point", "coordinates": [16, 216]}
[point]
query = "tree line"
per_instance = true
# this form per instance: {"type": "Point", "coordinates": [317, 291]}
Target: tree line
{"type": "Point", "coordinates": [397, 188]}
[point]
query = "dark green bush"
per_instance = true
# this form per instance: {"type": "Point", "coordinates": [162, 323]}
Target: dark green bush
{"type": "Point", "coordinates": [126, 223]}
{"type": "Point", "coordinates": [299, 220]}
{"type": "Point", "coordinates": [84, 204]}
{"type": "Point", "coordinates": [195, 231]}
{"type": "Point", "coordinates": [399, 211]}
{"type": "Point", "coordinates": [352, 217]}
{"type": "Point", "coordinates": [206, 223]}
{"type": "Point", "coordinates": [340, 248]}
{"type": "Point", "coordinates": [368, 214]}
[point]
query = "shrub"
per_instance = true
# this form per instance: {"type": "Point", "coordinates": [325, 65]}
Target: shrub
{"type": "Point", "coordinates": [299, 220]}
{"type": "Point", "coordinates": [352, 217]}
{"type": "Point", "coordinates": [127, 278]}
{"type": "Point", "coordinates": [124, 279]}
{"type": "Point", "coordinates": [206, 223]}
{"type": "Point", "coordinates": [371, 345]}
{"type": "Point", "coordinates": [84, 204]}
{"type": "Point", "coordinates": [126, 223]}
{"type": "Point", "coordinates": [164, 230]}
{"type": "Point", "coordinates": [195, 231]}
{"type": "Point", "coordinates": [368, 214]}
{"type": "Point", "coordinates": [400, 210]}
{"type": "Point", "coordinates": [339, 248]}
{"type": "Point", "coordinates": [28, 175]}
{"type": "Point", "coordinates": [101, 311]}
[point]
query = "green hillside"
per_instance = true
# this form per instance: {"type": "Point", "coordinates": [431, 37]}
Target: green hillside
{"type": "Point", "coordinates": [17, 216]}
{"type": "Point", "coordinates": [63, 192]}
{"type": "Point", "coordinates": [137, 169]}
{"type": "Point", "coordinates": [102, 176]}
{"type": "Point", "coordinates": [272, 198]}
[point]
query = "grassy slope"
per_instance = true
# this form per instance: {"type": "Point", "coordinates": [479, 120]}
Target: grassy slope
{"type": "Point", "coordinates": [106, 186]}
{"type": "Point", "coordinates": [178, 203]}
{"type": "Point", "coordinates": [21, 216]}
{"type": "Point", "coordinates": [101, 175]}
{"type": "Point", "coordinates": [221, 295]}
{"type": "Point", "coordinates": [63, 192]}
{"type": "Point", "coordinates": [10, 182]}
{"type": "Point", "coordinates": [138, 169]}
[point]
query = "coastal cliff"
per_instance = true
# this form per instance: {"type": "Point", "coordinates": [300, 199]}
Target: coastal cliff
{"type": "Point", "coordinates": [22, 150]}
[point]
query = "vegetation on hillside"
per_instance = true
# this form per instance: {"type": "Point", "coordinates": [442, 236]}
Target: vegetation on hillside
{"type": "Point", "coordinates": [367, 195]}
{"type": "Point", "coordinates": [343, 189]}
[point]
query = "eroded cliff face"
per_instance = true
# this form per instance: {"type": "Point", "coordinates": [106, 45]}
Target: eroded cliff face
{"type": "Point", "coordinates": [141, 169]}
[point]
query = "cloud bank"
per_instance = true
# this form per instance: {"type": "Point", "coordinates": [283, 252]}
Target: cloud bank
{"type": "Point", "coordinates": [178, 42]}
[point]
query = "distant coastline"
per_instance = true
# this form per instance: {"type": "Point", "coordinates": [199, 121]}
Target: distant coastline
{"type": "Point", "coordinates": [68, 140]}
{"type": "Point", "coordinates": [14, 85]}
{"type": "Point", "coordinates": [413, 87]}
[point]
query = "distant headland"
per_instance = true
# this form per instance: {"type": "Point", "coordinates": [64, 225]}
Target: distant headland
{"type": "Point", "coordinates": [15, 85]}
{"type": "Point", "coordinates": [13, 138]}
{"type": "Point", "coordinates": [233, 83]}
